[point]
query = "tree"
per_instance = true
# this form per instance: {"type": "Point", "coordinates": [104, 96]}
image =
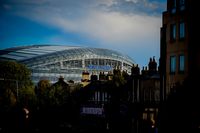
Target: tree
{"type": "Point", "coordinates": [42, 91]}
{"type": "Point", "coordinates": [15, 84]}
{"type": "Point", "coordinates": [118, 110]}
{"type": "Point", "coordinates": [118, 78]}
{"type": "Point", "coordinates": [59, 93]}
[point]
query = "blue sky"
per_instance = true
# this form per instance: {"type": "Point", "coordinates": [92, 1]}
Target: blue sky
{"type": "Point", "coordinates": [128, 26]}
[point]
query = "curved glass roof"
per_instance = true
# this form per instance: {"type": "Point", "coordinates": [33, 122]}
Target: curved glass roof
{"type": "Point", "coordinates": [27, 53]}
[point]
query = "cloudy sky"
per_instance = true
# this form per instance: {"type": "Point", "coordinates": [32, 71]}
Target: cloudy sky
{"type": "Point", "coordinates": [128, 26]}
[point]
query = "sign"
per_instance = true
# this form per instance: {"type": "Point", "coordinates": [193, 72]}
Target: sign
{"type": "Point", "coordinates": [92, 111]}
{"type": "Point", "coordinates": [96, 67]}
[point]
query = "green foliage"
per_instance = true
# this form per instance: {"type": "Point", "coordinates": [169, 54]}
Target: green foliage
{"type": "Point", "coordinates": [9, 98]}
{"type": "Point", "coordinates": [118, 78]}
{"type": "Point", "coordinates": [42, 90]}
{"type": "Point", "coordinates": [27, 96]}
{"type": "Point", "coordinates": [58, 95]}
{"type": "Point", "coordinates": [43, 85]}
{"type": "Point", "coordinates": [13, 70]}
{"type": "Point", "coordinates": [118, 87]}
{"type": "Point", "coordinates": [77, 87]}
{"type": "Point", "coordinates": [55, 95]}
{"type": "Point", "coordinates": [15, 84]}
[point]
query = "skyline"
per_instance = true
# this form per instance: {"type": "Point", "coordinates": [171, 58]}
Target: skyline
{"type": "Point", "coordinates": [131, 27]}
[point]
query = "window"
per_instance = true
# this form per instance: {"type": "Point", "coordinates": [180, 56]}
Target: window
{"type": "Point", "coordinates": [173, 32]}
{"type": "Point", "coordinates": [181, 30]}
{"type": "Point", "coordinates": [182, 5]}
{"type": "Point", "coordinates": [172, 64]}
{"type": "Point", "coordinates": [173, 9]}
{"type": "Point", "coordinates": [181, 63]}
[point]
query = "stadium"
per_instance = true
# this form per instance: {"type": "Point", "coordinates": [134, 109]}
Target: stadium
{"type": "Point", "coordinates": [52, 61]}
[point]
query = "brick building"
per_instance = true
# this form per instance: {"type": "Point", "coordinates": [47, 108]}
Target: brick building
{"type": "Point", "coordinates": [180, 53]}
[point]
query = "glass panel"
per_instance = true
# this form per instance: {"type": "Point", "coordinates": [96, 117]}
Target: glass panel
{"type": "Point", "coordinates": [181, 63]}
{"type": "Point", "coordinates": [173, 32]}
{"type": "Point", "coordinates": [173, 9]}
{"type": "Point", "coordinates": [172, 64]}
{"type": "Point", "coordinates": [182, 30]}
{"type": "Point", "coordinates": [182, 5]}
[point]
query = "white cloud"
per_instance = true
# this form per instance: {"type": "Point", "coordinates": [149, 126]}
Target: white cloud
{"type": "Point", "coordinates": [120, 28]}
{"type": "Point", "coordinates": [107, 27]}
{"type": "Point", "coordinates": [135, 35]}
{"type": "Point", "coordinates": [111, 28]}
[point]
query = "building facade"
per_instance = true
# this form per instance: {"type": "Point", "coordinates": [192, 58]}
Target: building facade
{"type": "Point", "coordinates": [52, 61]}
{"type": "Point", "coordinates": [146, 96]}
{"type": "Point", "coordinates": [130, 105]}
{"type": "Point", "coordinates": [180, 55]}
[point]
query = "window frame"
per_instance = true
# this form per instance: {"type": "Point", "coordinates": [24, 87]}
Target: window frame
{"type": "Point", "coordinates": [182, 30]}
{"type": "Point", "coordinates": [173, 6]}
{"type": "Point", "coordinates": [172, 64]}
{"type": "Point", "coordinates": [181, 5]}
{"type": "Point", "coordinates": [181, 65]}
{"type": "Point", "coordinates": [173, 31]}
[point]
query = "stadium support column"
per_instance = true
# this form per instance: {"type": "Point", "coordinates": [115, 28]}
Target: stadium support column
{"type": "Point", "coordinates": [83, 63]}
{"type": "Point", "coordinates": [61, 64]}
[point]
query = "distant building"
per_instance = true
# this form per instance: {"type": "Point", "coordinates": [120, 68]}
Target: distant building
{"type": "Point", "coordinates": [146, 85]}
{"type": "Point", "coordinates": [52, 61]}
{"type": "Point", "coordinates": [134, 102]}
{"type": "Point", "coordinates": [180, 53]}
{"type": "Point", "coordinates": [150, 83]}
{"type": "Point", "coordinates": [145, 95]}
{"type": "Point", "coordinates": [104, 102]}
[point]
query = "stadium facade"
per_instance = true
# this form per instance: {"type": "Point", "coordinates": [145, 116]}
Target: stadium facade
{"type": "Point", "coordinates": [52, 61]}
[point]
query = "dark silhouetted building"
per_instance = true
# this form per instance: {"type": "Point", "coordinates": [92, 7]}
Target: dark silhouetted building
{"type": "Point", "coordinates": [179, 68]}
{"type": "Point", "coordinates": [145, 97]}
{"type": "Point", "coordinates": [180, 53]}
